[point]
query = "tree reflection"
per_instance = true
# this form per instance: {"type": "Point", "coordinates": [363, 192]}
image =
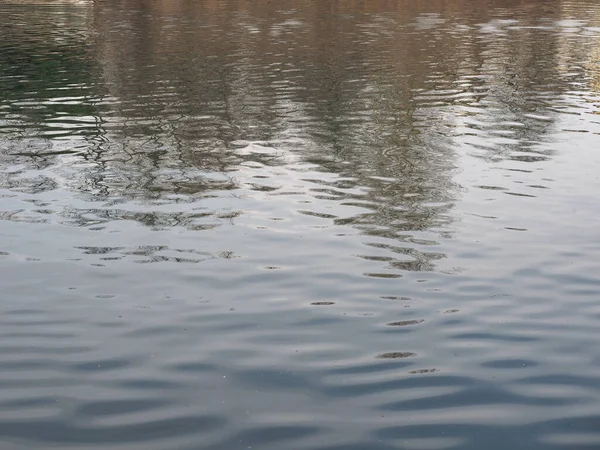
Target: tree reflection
{"type": "Point", "coordinates": [381, 94]}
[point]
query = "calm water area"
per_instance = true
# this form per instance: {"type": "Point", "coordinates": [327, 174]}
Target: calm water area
{"type": "Point", "coordinates": [299, 224]}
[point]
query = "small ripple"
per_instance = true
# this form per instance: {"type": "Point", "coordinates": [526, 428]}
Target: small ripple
{"type": "Point", "coordinates": [271, 434]}
{"type": "Point", "coordinates": [474, 396]}
{"type": "Point", "coordinates": [146, 384]}
{"type": "Point", "coordinates": [40, 350]}
{"type": "Point", "coordinates": [494, 337]}
{"type": "Point", "coordinates": [102, 365]}
{"type": "Point", "coordinates": [193, 368]}
{"type": "Point", "coordinates": [58, 432]}
{"type": "Point", "coordinates": [118, 407]}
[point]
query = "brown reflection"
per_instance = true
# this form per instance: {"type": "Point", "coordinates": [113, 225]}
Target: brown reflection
{"type": "Point", "coordinates": [381, 94]}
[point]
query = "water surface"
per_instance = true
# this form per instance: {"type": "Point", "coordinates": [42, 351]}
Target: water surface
{"type": "Point", "coordinates": [301, 224]}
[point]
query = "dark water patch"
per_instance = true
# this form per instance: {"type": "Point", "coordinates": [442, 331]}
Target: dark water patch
{"type": "Point", "coordinates": [396, 355]}
{"type": "Point", "coordinates": [384, 275]}
{"type": "Point", "coordinates": [404, 323]}
{"type": "Point", "coordinates": [392, 297]}
{"type": "Point", "coordinates": [422, 371]}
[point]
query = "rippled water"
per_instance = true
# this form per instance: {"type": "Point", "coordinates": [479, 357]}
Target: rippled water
{"type": "Point", "coordinates": [301, 224]}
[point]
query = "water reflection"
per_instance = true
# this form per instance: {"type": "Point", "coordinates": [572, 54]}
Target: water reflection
{"type": "Point", "coordinates": [338, 205]}
{"type": "Point", "coordinates": [167, 102]}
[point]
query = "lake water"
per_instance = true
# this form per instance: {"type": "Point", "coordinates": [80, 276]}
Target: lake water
{"type": "Point", "coordinates": [300, 224]}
